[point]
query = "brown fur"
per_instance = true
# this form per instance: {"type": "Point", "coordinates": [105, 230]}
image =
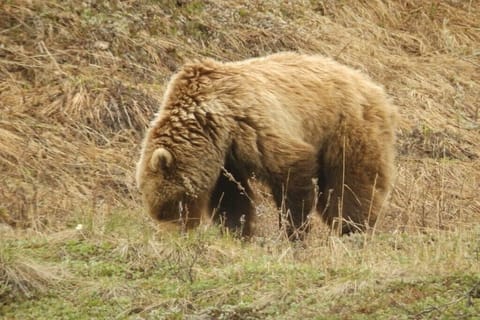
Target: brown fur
{"type": "Point", "coordinates": [286, 118]}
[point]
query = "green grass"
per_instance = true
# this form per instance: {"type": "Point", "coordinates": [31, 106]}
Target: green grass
{"type": "Point", "coordinates": [103, 271]}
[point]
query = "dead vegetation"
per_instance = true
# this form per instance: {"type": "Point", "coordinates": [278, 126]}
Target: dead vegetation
{"type": "Point", "coordinates": [80, 80]}
{"type": "Point", "coordinates": [21, 276]}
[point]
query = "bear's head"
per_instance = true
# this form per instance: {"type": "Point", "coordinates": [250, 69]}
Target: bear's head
{"type": "Point", "coordinates": [161, 192]}
{"type": "Point", "coordinates": [185, 147]}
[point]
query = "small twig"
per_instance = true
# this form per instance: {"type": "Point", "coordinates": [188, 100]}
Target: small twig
{"type": "Point", "coordinates": [474, 292]}
{"type": "Point", "coordinates": [52, 58]}
{"type": "Point", "coordinates": [342, 49]}
{"type": "Point", "coordinates": [438, 308]}
{"type": "Point", "coordinates": [239, 185]}
{"type": "Point", "coordinates": [469, 61]}
{"type": "Point", "coordinates": [20, 21]}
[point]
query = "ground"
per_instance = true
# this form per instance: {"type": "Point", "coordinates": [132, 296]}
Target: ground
{"type": "Point", "coordinates": [79, 82]}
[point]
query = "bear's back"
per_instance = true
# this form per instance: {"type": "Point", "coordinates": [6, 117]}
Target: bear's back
{"type": "Point", "coordinates": [293, 92]}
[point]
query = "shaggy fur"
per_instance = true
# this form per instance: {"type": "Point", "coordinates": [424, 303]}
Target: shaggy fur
{"type": "Point", "coordinates": [286, 118]}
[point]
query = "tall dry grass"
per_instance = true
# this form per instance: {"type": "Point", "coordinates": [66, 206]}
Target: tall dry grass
{"type": "Point", "coordinates": [79, 81]}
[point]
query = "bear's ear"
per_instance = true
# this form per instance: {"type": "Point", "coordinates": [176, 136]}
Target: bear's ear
{"type": "Point", "coordinates": [161, 159]}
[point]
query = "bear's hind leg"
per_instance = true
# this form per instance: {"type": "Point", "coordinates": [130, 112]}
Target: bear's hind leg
{"type": "Point", "coordinates": [353, 190]}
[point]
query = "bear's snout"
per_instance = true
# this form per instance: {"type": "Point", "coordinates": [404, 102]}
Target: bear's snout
{"type": "Point", "coordinates": [166, 212]}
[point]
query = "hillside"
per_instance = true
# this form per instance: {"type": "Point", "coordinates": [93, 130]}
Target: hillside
{"type": "Point", "coordinates": [79, 83]}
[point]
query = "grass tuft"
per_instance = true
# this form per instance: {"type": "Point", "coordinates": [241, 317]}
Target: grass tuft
{"type": "Point", "coordinates": [23, 277]}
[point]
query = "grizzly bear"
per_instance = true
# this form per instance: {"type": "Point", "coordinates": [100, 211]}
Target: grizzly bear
{"type": "Point", "coordinates": [319, 134]}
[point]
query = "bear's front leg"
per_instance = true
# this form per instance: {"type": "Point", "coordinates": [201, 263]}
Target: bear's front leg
{"type": "Point", "coordinates": [296, 200]}
{"type": "Point", "coordinates": [231, 202]}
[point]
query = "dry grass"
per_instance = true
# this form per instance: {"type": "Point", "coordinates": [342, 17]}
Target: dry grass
{"type": "Point", "coordinates": [20, 276]}
{"type": "Point", "coordinates": [80, 80]}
